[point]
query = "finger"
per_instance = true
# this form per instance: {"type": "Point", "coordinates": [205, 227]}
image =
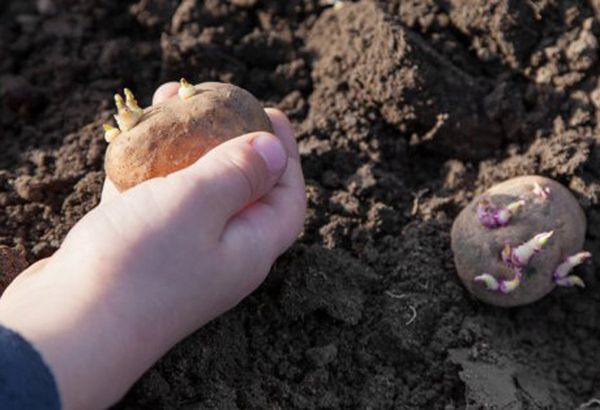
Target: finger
{"type": "Point", "coordinates": [283, 129]}
{"type": "Point", "coordinates": [164, 92]}
{"type": "Point", "coordinates": [109, 191]}
{"type": "Point", "coordinates": [274, 222]}
{"type": "Point", "coordinates": [227, 179]}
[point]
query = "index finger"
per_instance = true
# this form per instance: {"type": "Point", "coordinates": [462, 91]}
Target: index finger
{"type": "Point", "coordinates": [165, 91]}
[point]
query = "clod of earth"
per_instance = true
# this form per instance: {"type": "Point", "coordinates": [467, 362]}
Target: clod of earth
{"type": "Point", "coordinates": [518, 240]}
{"type": "Point", "coordinates": [167, 137]}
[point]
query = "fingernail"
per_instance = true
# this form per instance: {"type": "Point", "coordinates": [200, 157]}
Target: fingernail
{"type": "Point", "coordinates": [272, 152]}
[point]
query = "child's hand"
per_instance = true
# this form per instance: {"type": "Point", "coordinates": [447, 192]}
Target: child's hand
{"type": "Point", "coordinates": [149, 266]}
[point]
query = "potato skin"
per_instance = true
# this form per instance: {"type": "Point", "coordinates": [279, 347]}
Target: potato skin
{"type": "Point", "coordinates": [174, 134]}
{"type": "Point", "coordinates": [477, 248]}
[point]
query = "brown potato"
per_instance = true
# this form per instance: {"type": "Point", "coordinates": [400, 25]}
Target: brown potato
{"type": "Point", "coordinates": [478, 249]}
{"type": "Point", "coordinates": [174, 134]}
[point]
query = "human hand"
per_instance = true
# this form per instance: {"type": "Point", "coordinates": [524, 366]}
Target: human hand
{"type": "Point", "coordinates": [149, 266]}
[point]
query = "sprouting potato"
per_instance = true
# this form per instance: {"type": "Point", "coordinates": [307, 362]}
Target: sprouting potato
{"type": "Point", "coordinates": [514, 243]}
{"type": "Point", "coordinates": [167, 137]}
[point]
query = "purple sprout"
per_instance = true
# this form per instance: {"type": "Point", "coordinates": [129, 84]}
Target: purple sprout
{"type": "Point", "coordinates": [561, 274]}
{"type": "Point", "coordinates": [522, 254]}
{"type": "Point", "coordinates": [502, 285]}
{"type": "Point", "coordinates": [492, 217]}
{"type": "Point", "coordinates": [543, 193]}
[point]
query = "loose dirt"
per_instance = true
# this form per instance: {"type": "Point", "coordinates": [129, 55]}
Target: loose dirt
{"type": "Point", "coordinates": [404, 111]}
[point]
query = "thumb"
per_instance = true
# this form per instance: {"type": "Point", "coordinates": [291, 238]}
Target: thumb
{"type": "Point", "coordinates": [232, 176]}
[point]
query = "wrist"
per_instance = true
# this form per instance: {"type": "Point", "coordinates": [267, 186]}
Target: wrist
{"type": "Point", "coordinates": [70, 318]}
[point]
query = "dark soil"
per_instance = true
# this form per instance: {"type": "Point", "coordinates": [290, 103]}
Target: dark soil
{"type": "Point", "coordinates": [405, 109]}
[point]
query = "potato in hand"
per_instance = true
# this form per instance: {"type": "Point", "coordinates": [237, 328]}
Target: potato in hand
{"type": "Point", "coordinates": [170, 136]}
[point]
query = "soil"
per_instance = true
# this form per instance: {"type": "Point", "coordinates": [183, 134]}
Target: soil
{"type": "Point", "coordinates": [404, 110]}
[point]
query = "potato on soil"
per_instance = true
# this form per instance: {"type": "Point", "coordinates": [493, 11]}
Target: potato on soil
{"type": "Point", "coordinates": [174, 134]}
{"type": "Point", "coordinates": [477, 249]}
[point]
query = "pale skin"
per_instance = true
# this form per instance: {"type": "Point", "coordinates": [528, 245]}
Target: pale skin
{"type": "Point", "coordinates": [147, 267]}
